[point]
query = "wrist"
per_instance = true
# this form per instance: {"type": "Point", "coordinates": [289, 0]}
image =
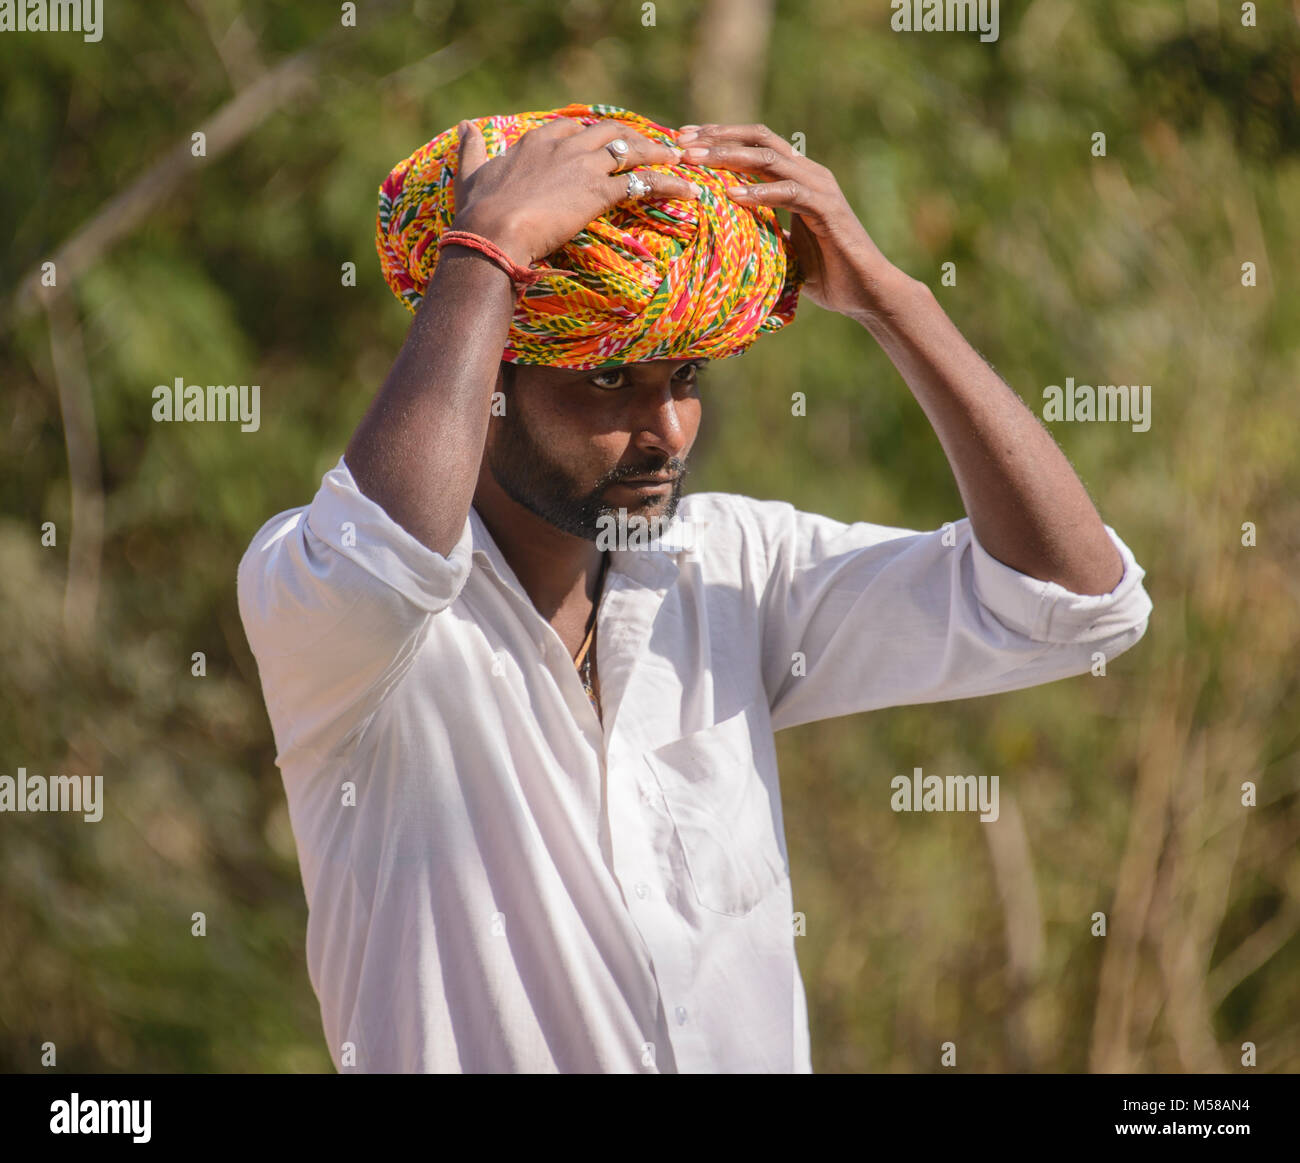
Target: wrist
{"type": "Point", "coordinates": [885, 291]}
{"type": "Point", "coordinates": [496, 229]}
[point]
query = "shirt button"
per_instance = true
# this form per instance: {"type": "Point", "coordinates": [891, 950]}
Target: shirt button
{"type": "Point", "coordinates": [642, 889]}
{"type": "Point", "coordinates": [681, 1015]}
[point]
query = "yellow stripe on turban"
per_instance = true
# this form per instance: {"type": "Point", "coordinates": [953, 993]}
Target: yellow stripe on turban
{"type": "Point", "coordinates": [652, 279]}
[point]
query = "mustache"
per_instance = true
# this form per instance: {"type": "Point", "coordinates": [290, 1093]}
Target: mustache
{"type": "Point", "coordinates": [673, 466]}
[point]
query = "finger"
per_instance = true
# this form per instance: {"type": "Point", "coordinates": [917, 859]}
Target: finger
{"type": "Point", "coordinates": [758, 136]}
{"type": "Point", "coordinates": [788, 195]}
{"type": "Point", "coordinates": [549, 131]}
{"type": "Point", "coordinates": [661, 186]}
{"type": "Point", "coordinates": [471, 155]}
{"type": "Point", "coordinates": [559, 127]}
{"type": "Point", "coordinates": [747, 159]}
{"type": "Point", "coordinates": [473, 149]}
{"type": "Point", "coordinates": [642, 151]}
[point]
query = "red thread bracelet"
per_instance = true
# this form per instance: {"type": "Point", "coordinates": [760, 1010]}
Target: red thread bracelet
{"type": "Point", "coordinates": [521, 276]}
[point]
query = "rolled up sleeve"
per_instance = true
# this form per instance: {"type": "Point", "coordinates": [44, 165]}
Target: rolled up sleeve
{"type": "Point", "coordinates": [857, 617]}
{"type": "Point", "coordinates": [1046, 612]}
{"type": "Point", "coordinates": [334, 598]}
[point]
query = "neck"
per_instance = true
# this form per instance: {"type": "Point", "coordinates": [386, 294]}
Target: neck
{"type": "Point", "coordinates": [557, 570]}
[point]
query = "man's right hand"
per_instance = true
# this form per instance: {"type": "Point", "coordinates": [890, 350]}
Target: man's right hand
{"type": "Point", "coordinates": [557, 178]}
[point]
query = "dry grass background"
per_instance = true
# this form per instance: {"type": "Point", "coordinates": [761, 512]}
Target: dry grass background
{"type": "Point", "coordinates": [1120, 794]}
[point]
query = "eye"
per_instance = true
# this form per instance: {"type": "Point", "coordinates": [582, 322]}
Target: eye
{"type": "Point", "coordinates": [616, 372]}
{"type": "Point", "coordinates": [616, 378]}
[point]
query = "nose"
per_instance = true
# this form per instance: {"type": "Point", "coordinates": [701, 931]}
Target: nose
{"type": "Point", "coordinates": [666, 425]}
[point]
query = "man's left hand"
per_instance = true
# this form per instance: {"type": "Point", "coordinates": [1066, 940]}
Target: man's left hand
{"type": "Point", "coordinates": [844, 269]}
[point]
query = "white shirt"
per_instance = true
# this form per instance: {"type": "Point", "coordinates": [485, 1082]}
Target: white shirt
{"type": "Point", "coordinates": [495, 881]}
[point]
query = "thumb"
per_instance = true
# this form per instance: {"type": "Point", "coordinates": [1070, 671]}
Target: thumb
{"type": "Point", "coordinates": [473, 149]}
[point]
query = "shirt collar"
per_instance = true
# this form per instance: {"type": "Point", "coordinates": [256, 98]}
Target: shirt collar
{"type": "Point", "coordinates": [656, 565]}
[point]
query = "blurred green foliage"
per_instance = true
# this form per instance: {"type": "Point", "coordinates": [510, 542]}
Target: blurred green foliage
{"type": "Point", "coordinates": [1120, 794]}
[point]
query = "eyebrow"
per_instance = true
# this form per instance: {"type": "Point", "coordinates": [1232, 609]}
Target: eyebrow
{"type": "Point", "coordinates": [598, 371]}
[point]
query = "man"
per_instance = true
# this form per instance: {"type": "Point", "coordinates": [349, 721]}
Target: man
{"type": "Point", "coordinates": [531, 773]}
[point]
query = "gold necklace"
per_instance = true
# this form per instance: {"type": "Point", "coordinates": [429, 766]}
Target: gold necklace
{"type": "Point", "coordinates": [583, 660]}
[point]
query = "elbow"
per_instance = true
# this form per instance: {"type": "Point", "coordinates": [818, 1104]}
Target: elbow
{"type": "Point", "coordinates": [1119, 630]}
{"type": "Point", "coordinates": [1125, 639]}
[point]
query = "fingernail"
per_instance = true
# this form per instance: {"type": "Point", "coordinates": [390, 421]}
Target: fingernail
{"type": "Point", "coordinates": [687, 134]}
{"type": "Point", "coordinates": [697, 188]}
{"type": "Point", "coordinates": [695, 153]}
{"type": "Point", "coordinates": [738, 191]}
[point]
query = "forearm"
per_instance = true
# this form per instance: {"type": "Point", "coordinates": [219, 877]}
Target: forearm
{"type": "Point", "coordinates": [417, 451]}
{"type": "Point", "coordinates": [1025, 503]}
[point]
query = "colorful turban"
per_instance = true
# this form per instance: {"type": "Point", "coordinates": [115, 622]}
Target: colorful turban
{"type": "Point", "coordinates": [649, 279]}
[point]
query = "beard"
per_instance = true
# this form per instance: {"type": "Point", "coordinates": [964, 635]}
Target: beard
{"type": "Point", "coordinates": [543, 486]}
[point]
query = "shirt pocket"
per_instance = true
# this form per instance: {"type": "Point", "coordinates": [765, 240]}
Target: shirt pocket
{"type": "Point", "coordinates": [722, 813]}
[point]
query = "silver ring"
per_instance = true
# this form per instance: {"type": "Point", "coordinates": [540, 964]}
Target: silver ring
{"type": "Point", "coordinates": [636, 188]}
{"type": "Point", "coordinates": [618, 148]}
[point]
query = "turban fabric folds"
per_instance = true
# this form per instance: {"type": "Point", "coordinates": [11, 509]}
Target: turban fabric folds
{"type": "Point", "coordinates": [649, 279]}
